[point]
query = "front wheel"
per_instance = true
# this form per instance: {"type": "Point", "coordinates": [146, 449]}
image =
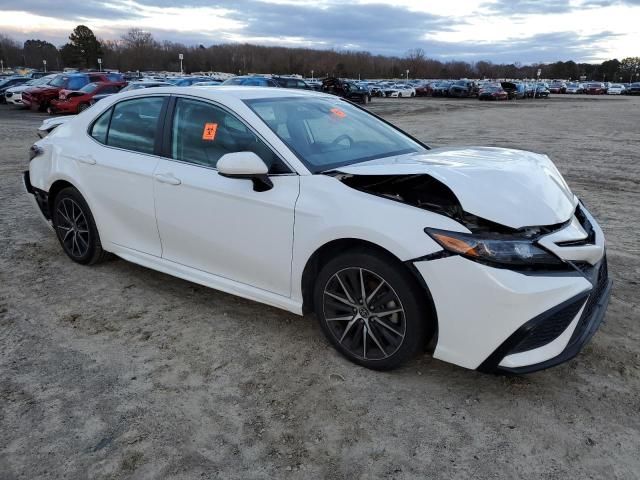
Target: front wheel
{"type": "Point", "coordinates": [76, 228]}
{"type": "Point", "coordinates": [371, 309]}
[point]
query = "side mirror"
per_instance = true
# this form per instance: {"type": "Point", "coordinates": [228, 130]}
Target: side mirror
{"type": "Point", "coordinates": [246, 165]}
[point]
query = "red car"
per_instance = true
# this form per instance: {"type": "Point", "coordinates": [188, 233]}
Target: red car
{"type": "Point", "coordinates": [493, 92]}
{"type": "Point", "coordinates": [75, 101]}
{"type": "Point", "coordinates": [424, 90]}
{"type": "Point", "coordinates": [595, 89]}
{"type": "Point", "coordinates": [41, 96]}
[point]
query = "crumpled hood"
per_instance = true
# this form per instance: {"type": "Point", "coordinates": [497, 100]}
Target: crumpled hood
{"type": "Point", "coordinates": [512, 187]}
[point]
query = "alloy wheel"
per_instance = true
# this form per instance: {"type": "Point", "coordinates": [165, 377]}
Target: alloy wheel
{"type": "Point", "coordinates": [73, 228]}
{"type": "Point", "coordinates": [364, 313]}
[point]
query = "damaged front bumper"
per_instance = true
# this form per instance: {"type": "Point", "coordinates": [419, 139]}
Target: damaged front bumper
{"type": "Point", "coordinates": [503, 320]}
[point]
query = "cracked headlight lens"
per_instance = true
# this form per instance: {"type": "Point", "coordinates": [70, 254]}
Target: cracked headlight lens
{"type": "Point", "coordinates": [501, 251]}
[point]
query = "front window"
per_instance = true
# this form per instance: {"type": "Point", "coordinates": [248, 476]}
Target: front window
{"type": "Point", "coordinates": [202, 133]}
{"type": "Point", "coordinates": [327, 133]}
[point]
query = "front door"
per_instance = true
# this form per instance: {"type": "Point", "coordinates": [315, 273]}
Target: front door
{"type": "Point", "coordinates": [217, 224]}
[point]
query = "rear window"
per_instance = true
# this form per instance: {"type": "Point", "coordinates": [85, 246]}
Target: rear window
{"type": "Point", "coordinates": [134, 124]}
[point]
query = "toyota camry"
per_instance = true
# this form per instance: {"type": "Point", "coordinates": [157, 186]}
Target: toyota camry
{"type": "Point", "coordinates": [304, 201]}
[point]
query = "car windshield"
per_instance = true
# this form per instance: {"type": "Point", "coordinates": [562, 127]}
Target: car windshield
{"type": "Point", "coordinates": [326, 133]}
{"type": "Point", "coordinates": [89, 88]}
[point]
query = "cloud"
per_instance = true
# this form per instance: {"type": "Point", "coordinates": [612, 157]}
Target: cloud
{"type": "Point", "coordinates": [528, 7]}
{"type": "Point", "coordinates": [381, 28]}
{"type": "Point", "coordinates": [72, 9]}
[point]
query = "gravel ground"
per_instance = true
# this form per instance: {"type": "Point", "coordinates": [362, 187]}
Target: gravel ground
{"type": "Point", "coordinates": [118, 371]}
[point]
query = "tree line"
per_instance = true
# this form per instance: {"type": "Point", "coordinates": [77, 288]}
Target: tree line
{"type": "Point", "coordinates": [138, 50]}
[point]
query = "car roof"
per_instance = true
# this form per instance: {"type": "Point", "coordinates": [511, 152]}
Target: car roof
{"type": "Point", "coordinates": [236, 91]}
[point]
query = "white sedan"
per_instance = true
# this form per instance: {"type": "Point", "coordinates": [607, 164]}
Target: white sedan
{"type": "Point", "coordinates": [400, 90]}
{"type": "Point", "coordinates": [615, 89]}
{"type": "Point", "coordinates": [13, 95]}
{"type": "Point", "coordinates": [307, 202]}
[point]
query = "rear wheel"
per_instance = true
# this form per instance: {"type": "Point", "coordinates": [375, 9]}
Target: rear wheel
{"type": "Point", "coordinates": [371, 309]}
{"type": "Point", "coordinates": [82, 107]}
{"type": "Point", "coordinates": [76, 228]}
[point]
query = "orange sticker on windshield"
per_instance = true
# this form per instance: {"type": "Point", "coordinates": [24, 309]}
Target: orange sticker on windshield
{"type": "Point", "coordinates": [209, 132]}
{"type": "Point", "coordinates": [338, 113]}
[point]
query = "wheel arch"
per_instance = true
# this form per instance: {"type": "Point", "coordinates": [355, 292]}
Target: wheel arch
{"type": "Point", "coordinates": [334, 247]}
{"type": "Point", "coordinates": [55, 188]}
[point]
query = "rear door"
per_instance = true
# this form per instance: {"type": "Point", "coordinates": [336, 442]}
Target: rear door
{"type": "Point", "coordinates": [116, 162]}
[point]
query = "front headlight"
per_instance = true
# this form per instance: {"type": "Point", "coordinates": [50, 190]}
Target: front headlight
{"type": "Point", "coordinates": [499, 251]}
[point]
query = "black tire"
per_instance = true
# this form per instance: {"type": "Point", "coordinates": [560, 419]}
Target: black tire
{"type": "Point", "coordinates": [390, 339]}
{"type": "Point", "coordinates": [365, 99]}
{"type": "Point", "coordinates": [82, 107]}
{"type": "Point", "coordinates": [75, 228]}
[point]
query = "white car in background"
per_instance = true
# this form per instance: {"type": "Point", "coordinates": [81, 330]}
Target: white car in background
{"type": "Point", "coordinates": [13, 95]}
{"type": "Point", "coordinates": [306, 202]}
{"type": "Point", "coordinates": [616, 89]}
{"type": "Point", "coordinates": [398, 90]}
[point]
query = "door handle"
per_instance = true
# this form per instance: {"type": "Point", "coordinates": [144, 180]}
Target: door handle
{"type": "Point", "coordinates": [88, 159]}
{"type": "Point", "coordinates": [168, 178]}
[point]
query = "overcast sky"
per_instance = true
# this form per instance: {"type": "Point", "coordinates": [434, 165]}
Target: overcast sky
{"type": "Point", "coordinates": [497, 30]}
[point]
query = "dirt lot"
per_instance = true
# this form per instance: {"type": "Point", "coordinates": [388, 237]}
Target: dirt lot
{"type": "Point", "coordinates": [121, 372]}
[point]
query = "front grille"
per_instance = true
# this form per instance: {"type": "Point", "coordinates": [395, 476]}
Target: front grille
{"type": "Point", "coordinates": [550, 328]}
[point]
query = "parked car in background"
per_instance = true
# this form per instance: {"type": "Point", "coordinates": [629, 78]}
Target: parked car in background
{"type": "Point", "coordinates": [574, 88]}
{"type": "Point", "coordinates": [39, 97]}
{"type": "Point", "coordinates": [133, 86]}
{"type": "Point", "coordinates": [291, 82]}
{"type": "Point", "coordinates": [634, 89]}
{"type": "Point", "coordinates": [541, 90]}
{"type": "Point", "coordinates": [514, 90]}
{"type": "Point", "coordinates": [423, 89]}
{"type": "Point", "coordinates": [558, 87]}
{"type": "Point", "coordinates": [13, 95]}
{"type": "Point", "coordinates": [463, 89]}
{"type": "Point", "coordinates": [251, 81]}
{"type": "Point", "coordinates": [615, 89]}
{"type": "Point", "coordinates": [595, 88]}
{"type": "Point", "coordinates": [399, 90]}
{"type": "Point", "coordinates": [346, 89]}
{"type": "Point", "coordinates": [492, 92]}
{"type": "Point", "coordinates": [7, 83]}
{"type": "Point", "coordinates": [440, 89]}
{"type": "Point", "coordinates": [75, 101]}
{"type": "Point", "coordinates": [187, 81]}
